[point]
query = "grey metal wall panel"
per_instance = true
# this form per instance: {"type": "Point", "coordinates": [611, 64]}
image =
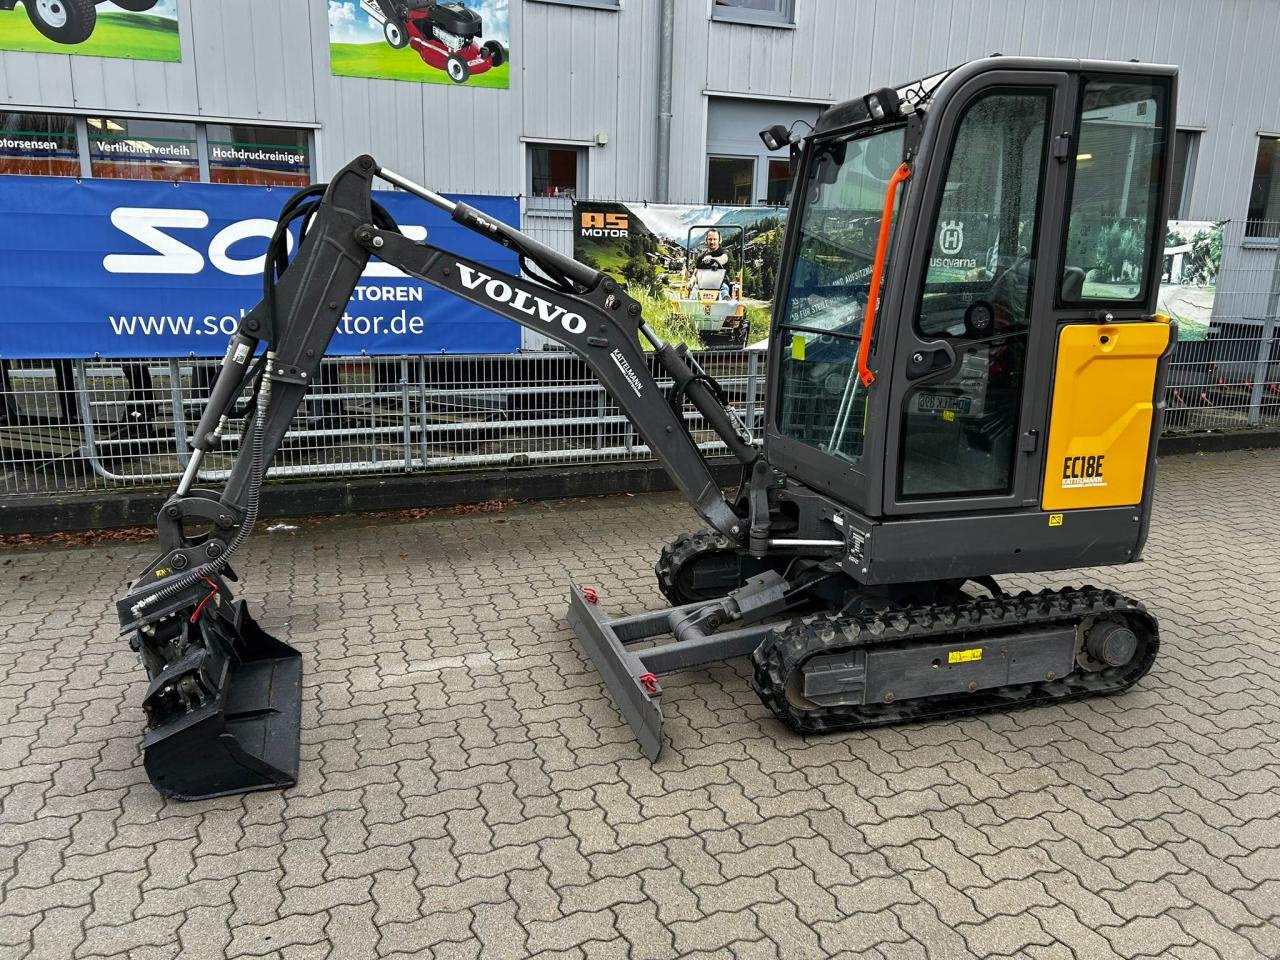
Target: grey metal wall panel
{"type": "Point", "coordinates": [245, 59]}
{"type": "Point", "coordinates": [577, 72]}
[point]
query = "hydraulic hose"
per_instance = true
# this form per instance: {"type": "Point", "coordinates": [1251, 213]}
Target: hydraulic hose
{"type": "Point", "coordinates": [257, 473]}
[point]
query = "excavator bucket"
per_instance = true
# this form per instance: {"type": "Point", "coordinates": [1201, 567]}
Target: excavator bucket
{"type": "Point", "coordinates": [224, 704]}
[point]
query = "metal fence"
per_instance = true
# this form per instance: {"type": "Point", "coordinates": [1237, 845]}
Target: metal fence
{"type": "Point", "coordinates": [80, 426]}
{"type": "Point", "coordinates": [85, 425]}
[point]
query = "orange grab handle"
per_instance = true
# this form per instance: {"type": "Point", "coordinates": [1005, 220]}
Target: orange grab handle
{"type": "Point", "coordinates": [877, 275]}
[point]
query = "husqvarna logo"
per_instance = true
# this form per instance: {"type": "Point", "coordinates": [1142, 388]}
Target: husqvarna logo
{"type": "Point", "coordinates": [951, 237]}
{"type": "Point", "coordinates": [499, 291]}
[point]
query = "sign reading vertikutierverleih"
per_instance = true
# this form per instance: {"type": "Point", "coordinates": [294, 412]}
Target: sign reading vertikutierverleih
{"type": "Point", "coordinates": [452, 43]}
{"type": "Point", "coordinates": [122, 269]}
{"type": "Point", "coordinates": [703, 274]}
{"type": "Point", "coordinates": [130, 30]}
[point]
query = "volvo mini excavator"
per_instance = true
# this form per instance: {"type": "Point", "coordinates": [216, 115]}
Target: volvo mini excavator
{"type": "Point", "coordinates": [965, 379]}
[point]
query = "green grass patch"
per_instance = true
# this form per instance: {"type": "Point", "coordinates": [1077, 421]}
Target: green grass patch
{"type": "Point", "coordinates": [125, 36]}
{"type": "Point", "coordinates": [377, 61]}
{"type": "Point", "coordinates": [677, 328]}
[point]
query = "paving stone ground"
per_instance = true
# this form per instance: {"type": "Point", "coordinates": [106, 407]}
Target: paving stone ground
{"type": "Point", "coordinates": [467, 790]}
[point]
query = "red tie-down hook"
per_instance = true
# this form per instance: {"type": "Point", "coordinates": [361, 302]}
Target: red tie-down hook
{"type": "Point", "coordinates": [590, 595]}
{"type": "Point", "coordinates": [650, 683]}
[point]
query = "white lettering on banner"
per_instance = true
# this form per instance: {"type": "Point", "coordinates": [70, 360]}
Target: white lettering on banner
{"type": "Point", "coordinates": [500, 292]}
{"type": "Point", "coordinates": [377, 268]}
{"type": "Point", "coordinates": [220, 245]}
{"type": "Point", "coordinates": [171, 255]}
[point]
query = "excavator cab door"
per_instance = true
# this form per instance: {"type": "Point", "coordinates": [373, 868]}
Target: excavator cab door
{"type": "Point", "coordinates": [975, 336]}
{"type": "Point", "coordinates": [1032, 175]}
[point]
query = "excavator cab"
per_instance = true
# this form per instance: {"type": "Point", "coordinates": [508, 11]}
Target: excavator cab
{"type": "Point", "coordinates": [1005, 366]}
{"type": "Point", "coordinates": [965, 377]}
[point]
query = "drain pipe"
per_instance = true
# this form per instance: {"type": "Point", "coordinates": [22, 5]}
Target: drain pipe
{"type": "Point", "coordinates": [666, 45]}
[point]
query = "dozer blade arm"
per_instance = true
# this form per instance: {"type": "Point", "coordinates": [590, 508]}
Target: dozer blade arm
{"type": "Point", "coordinates": [223, 708]}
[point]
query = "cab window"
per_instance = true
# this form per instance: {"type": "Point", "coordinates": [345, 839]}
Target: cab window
{"type": "Point", "coordinates": [1115, 190]}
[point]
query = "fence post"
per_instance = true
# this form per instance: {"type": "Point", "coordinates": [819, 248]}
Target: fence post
{"type": "Point", "coordinates": [1267, 333]}
{"type": "Point", "coordinates": [404, 413]}
{"type": "Point", "coordinates": [423, 450]}
{"type": "Point", "coordinates": [753, 361]}
{"type": "Point", "coordinates": [179, 413]}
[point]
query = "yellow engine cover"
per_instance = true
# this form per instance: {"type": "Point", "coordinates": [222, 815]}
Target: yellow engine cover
{"type": "Point", "coordinates": [1100, 420]}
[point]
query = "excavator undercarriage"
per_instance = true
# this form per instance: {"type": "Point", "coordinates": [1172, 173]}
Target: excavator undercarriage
{"type": "Point", "coordinates": [928, 427]}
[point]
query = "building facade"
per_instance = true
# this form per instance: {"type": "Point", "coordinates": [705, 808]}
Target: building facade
{"type": "Point", "coordinates": [581, 113]}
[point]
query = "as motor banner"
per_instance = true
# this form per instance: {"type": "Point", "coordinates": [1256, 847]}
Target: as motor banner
{"type": "Point", "coordinates": [127, 269]}
{"type": "Point", "coordinates": [703, 274]}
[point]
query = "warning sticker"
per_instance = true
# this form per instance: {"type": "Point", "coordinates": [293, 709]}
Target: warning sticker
{"type": "Point", "coordinates": [965, 656]}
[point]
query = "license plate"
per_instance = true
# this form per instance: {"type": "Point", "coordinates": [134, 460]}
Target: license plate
{"type": "Point", "coordinates": [933, 402]}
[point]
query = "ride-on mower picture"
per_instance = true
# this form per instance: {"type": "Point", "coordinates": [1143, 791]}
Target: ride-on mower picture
{"type": "Point", "coordinates": [70, 21]}
{"type": "Point", "coordinates": [711, 292]}
{"type": "Point", "coordinates": [444, 35]}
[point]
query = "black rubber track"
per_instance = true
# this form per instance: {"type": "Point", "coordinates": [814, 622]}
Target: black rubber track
{"type": "Point", "coordinates": [785, 651]}
{"type": "Point", "coordinates": [678, 559]}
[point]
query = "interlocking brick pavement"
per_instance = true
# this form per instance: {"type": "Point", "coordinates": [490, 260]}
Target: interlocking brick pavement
{"type": "Point", "coordinates": [467, 789]}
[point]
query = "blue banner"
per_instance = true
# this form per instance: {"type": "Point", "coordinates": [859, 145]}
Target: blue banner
{"type": "Point", "coordinates": [136, 268]}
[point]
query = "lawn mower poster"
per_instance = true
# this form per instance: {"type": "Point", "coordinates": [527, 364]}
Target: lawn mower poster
{"type": "Point", "coordinates": [125, 29]}
{"type": "Point", "coordinates": [427, 41]}
{"type": "Point", "coordinates": [703, 274]}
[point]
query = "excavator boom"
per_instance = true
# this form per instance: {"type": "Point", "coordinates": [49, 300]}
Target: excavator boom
{"type": "Point", "coordinates": [222, 689]}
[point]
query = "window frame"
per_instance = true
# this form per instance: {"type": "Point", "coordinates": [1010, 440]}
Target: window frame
{"type": "Point", "coordinates": [609, 6]}
{"type": "Point", "coordinates": [1046, 93]}
{"type": "Point", "coordinates": [1162, 87]}
{"type": "Point", "coordinates": [201, 124]}
{"type": "Point", "coordinates": [1180, 210]}
{"type": "Point", "coordinates": [77, 155]}
{"type": "Point", "coordinates": [580, 174]}
{"type": "Point", "coordinates": [1262, 238]}
{"type": "Point", "coordinates": [196, 162]}
{"type": "Point", "coordinates": [755, 164]}
{"type": "Point", "coordinates": [783, 19]}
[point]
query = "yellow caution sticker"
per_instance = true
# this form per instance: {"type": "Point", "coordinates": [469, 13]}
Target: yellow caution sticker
{"type": "Point", "coordinates": [948, 415]}
{"type": "Point", "coordinates": [163, 571]}
{"type": "Point", "coordinates": [972, 655]}
{"type": "Point", "coordinates": [797, 347]}
{"type": "Point", "coordinates": [1055, 519]}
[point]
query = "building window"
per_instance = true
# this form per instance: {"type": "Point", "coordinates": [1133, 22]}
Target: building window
{"type": "Point", "coordinates": [557, 171]}
{"type": "Point", "coordinates": [130, 149]}
{"type": "Point", "coordinates": [730, 179]}
{"type": "Point", "coordinates": [597, 4]}
{"type": "Point", "coordinates": [265, 156]}
{"type": "Point", "coordinates": [1264, 198]}
{"type": "Point", "coordinates": [775, 12]}
{"type": "Point", "coordinates": [39, 144]}
{"type": "Point", "coordinates": [779, 182]}
{"type": "Point", "coordinates": [1186, 145]}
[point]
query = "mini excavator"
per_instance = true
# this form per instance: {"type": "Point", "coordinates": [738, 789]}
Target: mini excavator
{"type": "Point", "coordinates": [965, 379]}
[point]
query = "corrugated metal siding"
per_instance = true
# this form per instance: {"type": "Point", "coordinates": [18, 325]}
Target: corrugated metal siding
{"type": "Point", "coordinates": [577, 72]}
{"type": "Point", "coordinates": [240, 58]}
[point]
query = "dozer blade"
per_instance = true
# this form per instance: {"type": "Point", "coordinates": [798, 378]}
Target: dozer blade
{"type": "Point", "coordinates": [224, 705]}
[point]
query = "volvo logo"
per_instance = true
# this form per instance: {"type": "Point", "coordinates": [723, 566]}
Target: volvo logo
{"type": "Point", "coordinates": [499, 291]}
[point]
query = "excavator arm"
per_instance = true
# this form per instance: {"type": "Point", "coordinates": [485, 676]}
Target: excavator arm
{"type": "Point", "coordinates": [219, 685]}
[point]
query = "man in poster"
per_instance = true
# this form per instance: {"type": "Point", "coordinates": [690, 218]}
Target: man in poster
{"type": "Point", "coordinates": [714, 257]}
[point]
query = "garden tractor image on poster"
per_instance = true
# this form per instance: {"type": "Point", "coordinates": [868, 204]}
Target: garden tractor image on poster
{"type": "Point", "coordinates": [444, 35]}
{"type": "Point", "coordinates": [924, 433]}
{"type": "Point", "coordinates": [710, 292]}
{"type": "Point", "coordinates": [71, 21]}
